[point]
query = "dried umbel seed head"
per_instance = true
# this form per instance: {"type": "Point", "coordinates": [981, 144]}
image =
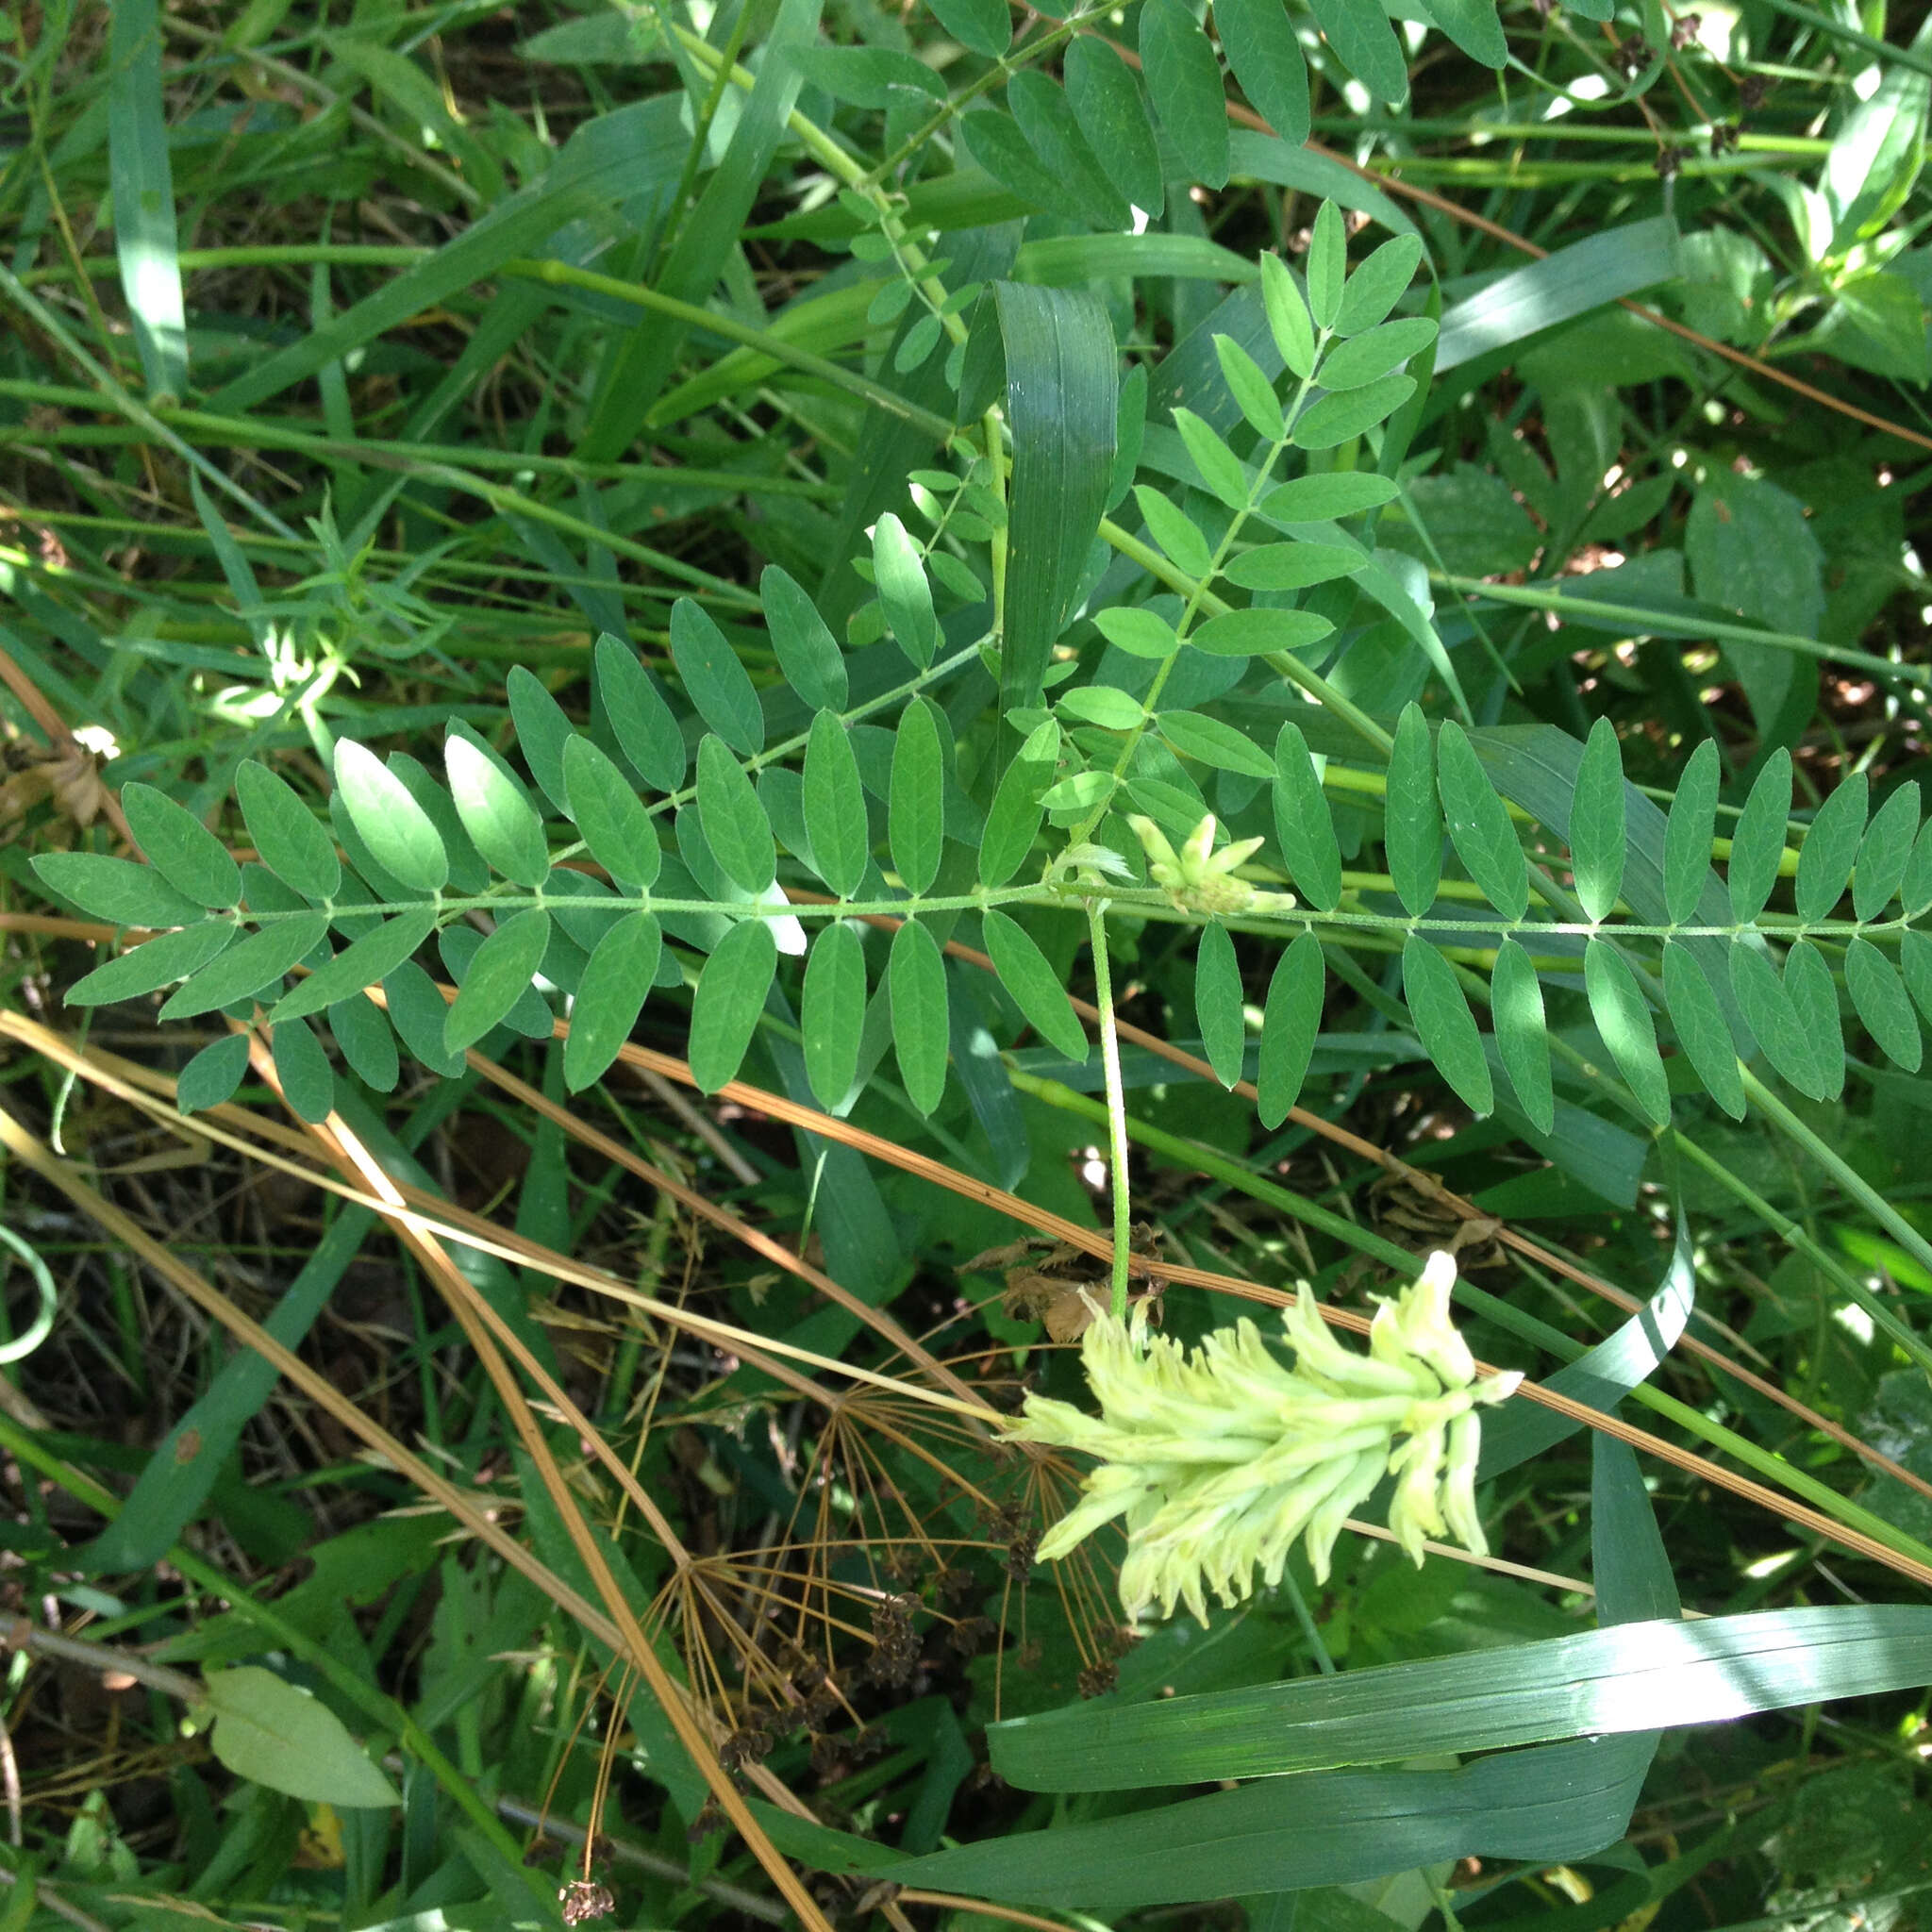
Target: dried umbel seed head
{"type": "Point", "coordinates": [584, 1899]}
{"type": "Point", "coordinates": [1221, 1461]}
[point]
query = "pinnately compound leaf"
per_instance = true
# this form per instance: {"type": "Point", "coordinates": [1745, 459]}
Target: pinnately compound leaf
{"type": "Point", "coordinates": [1034, 986]}
{"type": "Point", "coordinates": [1623, 1018]}
{"type": "Point", "coordinates": [1523, 1041]}
{"type": "Point", "coordinates": [1878, 996]}
{"type": "Point", "coordinates": [735, 824]}
{"type": "Point", "coordinates": [180, 847]}
{"type": "Point", "coordinates": [1687, 833]}
{"type": "Point", "coordinates": [1444, 1025]}
{"type": "Point", "coordinates": [1885, 851]}
{"type": "Point", "coordinates": [1290, 1021]}
{"type": "Point", "coordinates": [831, 1012]}
{"type": "Point", "coordinates": [915, 809]}
{"type": "Point", "coordinates": [502, 822]}
{"type": "Point", "coordinates": [396, 829]}
{"type": "Point", "coordinates": [288, 836]}
{"type": "Point", "coordinates": [1479, 824]}
{"type": "Point", "coordinates": [1304, 826]}
{"type": "Point", "coordinates": [714, 679]}
{"type": "Point", "coordinates": [1412, 819]}
{"type": "Point", "coordinates": [1218, 1003]}
{"type": "Point", "coordinates": [1758, 842]}
{"type": "Point", "coordinates": [1701, 1028]}
{"type": "Point", "coordinates": [1831, 845]}
{"type": "Point", "coordinates": [607, 812]}
{"type": "Point", "coordinates": [646, 732]}
{"type": "Point", "coordinates": [731, 996]}
{"type": "Point", "coordinates": [916, 982]}
{"type": "Point", "coordinates": [834, 807]}
{"type": "Point", "coordinates": [1596, 823]}
{"type": "Point", "coordinates": [499, 976]}
{"type": "Point", "coordinates": [609, 997]}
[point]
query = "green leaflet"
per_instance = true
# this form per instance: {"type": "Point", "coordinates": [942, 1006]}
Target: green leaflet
{"type": "Point", "coordinates": [1326, 267]}
{"type": "Point", "coordinates": [904, 594]}
{"type": "Point", "coordinates": [834, 804]}
{"type": "Point", "coordinates": [1137, 631]}
{"type": "Point", "coordinates": [285, 833]}
{"type": "Point", "coordinates": [542, 730]}
{"type": "Point", "coordinates": [714, 679]}
{"type": "Point", "coordinates": [733, 822]}
{"type": "Point", "coordinates": [1304, 826]}
{"type": "Point", "coordinates": [1758, 841]}
{"type": "Point", "coordinates": [1765, 1002]}
{"type": "Point", "coordinates": [1052, 129]}
{"type": "Point", "coordinates": [1814, 998]}
{"type": "Point", "coordinates": [1106, 103]}
{"type": "Point", "coordinates": [1255, 633]}
{"type": "Point", "coordinates": [1623, 1018]}
{"type": "Point", "coordinates": [1375, 354]}
{"type": "Point", "coordinates": [731, 996]}
{"type": "Point", "coordinates": [368, 1042]}
{"type": "Point", "coordinates": [1377, 285]}
{"type": "Point", "coordinates": [1012, 822]}
{"type": "Point", "coordinates": [1596, 823]}
{"type": "Point", "coordinates": [916, 982]}
{"type": "Point", "coordinates": [500, 975]}
{"type": "Point", "coordinates": [253, 966]}
{"type": "Point", "coordinates": [150, 967]}
{"type": "Point", "coordinates": [274, 1734]}
{"type": "Point", "coordinates": [1411, 820]}
{"type": "Point", "coordinates": [832, 1012]}
{"type": "Point", "coordinates": [308, 1082]}
{"type": "Point", "coordinates": [1688, 833]}
{"type": "Point", "coordinates": [915, 813]}
{"type": "Point", "coordinates": [469, 872]}
{"type": "Point", "coordinates": [1474, 27]}
{"type": "Point", "coordinates": [1218, 1001]}
{"type": "Point", "coordinates": [1523, 1041]}
{"type": "Point", "coordinates": [607, 812]}
{"type": "Point", "coordinates": [1878, 997]}
{"type": "Point", "coordinates": [1365, 42]}
{"type": "Point", "coordinates": [611, 995]}
{"type": "Point", "coordinates": [1884, 852]}
{"type": "Point", "coordinates": [180, 847]}
{"type": "Point", "coordinates": [1290, 1021]}
{"type": "Point", "coordinates": [1214, 742]}
{"type": "Point", "coordinates": [642, 722]}
{"type": "Point", "coordinates": [397, 831]}
{"type": "Point", "coordinates": [1831, 845]}
{"type": "Point", "coordinates": [1701, 1028]}
{"type": "Point", "coordinates": [1339, 418]}
{"type": "Point", "coordinates": [1317, 499]}
{"type": "Point", "coordinates": [1289, 321]}
{"type": "Point", "coordinates": [807, 654]}
{"type": "Point", "coordinates": [1035, 987]}
{"type": "Point", "coordinates": [367, 962]}
{"type": "Point", "coordinates": [502, 822]}
{"type": "Point", "coordinates": [1291, 566]}
{"type": "Point", "coordinates": [1184, 81]}
{"type": "Point", "coordinates": [1220, 469]}
{"type": "Point", "coordinates": [1172, 530]}
{"type": "Point", "coordinates": [116, 890]}
{"type": "Point", "coordinates": [417, 1012]}
{"type": "Point", "coordinates": [1266, 58]}
{"type": "Point", "coordinates": [212, 1075]}
{"type": "Point", "coordinates": [1444, 1024]}
{"type": "Point", "coordinates": [1479, 824]}
{"type": "Point", "coordinates": [985, 26]}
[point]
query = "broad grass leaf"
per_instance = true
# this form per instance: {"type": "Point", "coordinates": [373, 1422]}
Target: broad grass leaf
{"type": "Point", "coordinates": [368, 1043]}
{"type": "Point", "coordinates": [501, 821]}
{"type": "Point", "coordinates": [1321, 499]}
{"type": "Point", "coordinates": [273, 1734]}
{"type": "Point", "coordinates": [714, 679]}
{"type": "Point", "coordinates": [1215, 743]}
{"type": "Point", "coordinates": [610, 816]}
{"type": "Point", "coordinates": [1830, 847]}
{"type": "Point", "coordinates": [609, 996]}
{"type": "Point", "coordinates": [141, 177]}
{"type": "Point", "coordinates": [1340, 418]}
{"type": "Point", "coordinates": [253, 966]}
{"type": "Point", "coordinates": [1412, 819]}
{"type": "Point", "coordinates": [904, 594]}
{"type": "Point", "coordinates": [1372, 356]}
{"type": "Point", "coordinates": [1879, 999]}
{"type": "Point", "coordinates": [180, 847]}
{"type": "Point", "coordinates": [1523, 1039]}
{"type": "Point", "coordinates": [1107, 104]}
{"type": "Point", "coordinates": [1885, 851]}
{"type": "Point", "coordinates": [1444, 1024]}
{"type": "Point", "coordinates": [1326, 267]}
{"type": "Point", "coordinates": [1378, 284]}
{"type": "Point", "coordinates": [916, 983]}
{"type": "Point", "coordinates": [1289, 321]}
{"type": "Point", "coordinates": [1304, 826]}
{"type": "Point", "coordinates": [1757, 844]}
{"type": "Point", "coordinates": [1260, 42]}
{"type": "Point", "coordinates": [1479, 824]}
{"type": "Point", "coordinates": [369, 961]}
{"type": "Point", "coordinates": [735, 824]}
{"type": "Point", "coordinates": [832, 1012]}
{"type": "Point", "coordinates": [211, 1079]}
{"type": "Point", "coordinates": [1814, 998]}
{"type": "Point", "coordinates": [642, 722]}
{"type": "Point", "coordinates": [1035, 987]}
{"type": "Point", "coordinates": [1047, 120]}
{"type": "Point", "coordinates": [834, 806]}
{"type": "Point", "coordinates": [288, 836]}
{"type": "Point", "coordinates": [1255, 633]}
{"type": "Point", "coordinates": [1219, 466]}
{"type": "Point", "coordinates": [1688, 833]}
{"type": "Point", "coordinates": [116, 890]}
{"type": "Point", "coordinates": [1183, 81]}
{"type": "Point", "coordinates": [1291, 566]}
{"type": "Point", "coordinates": [397, 831]}
{"type": "Point", "coordinates": [915, 809]}
{"type": "Point", "coordinates": [1174, 532]}
{"type": "Point", "coordinates": [308, 1081]}
{"type": "Point", "coordinates": [1766, 1004]}
{"type": "Point", "coordinates": [1623, 1018]}
{"type": "Point", "coordinates": [1290, 1022]}
{"type": "Point", "coordinates": [542, 729]}
{"type": "Point", "coordinates": [807, 653]}
{"type": "Point", "coordinates": [152, 965]}
{"type": "Point", "coordinates": [1596, 823]}
{"type": "Point", "coordinates": [1218, 1003]}
{"type": "Point", "coordinates": [1701, 1028]}
{"type": "Point", "coordinates": [731, 996]}
{"type": "Point", "coordinates": [500, 975]}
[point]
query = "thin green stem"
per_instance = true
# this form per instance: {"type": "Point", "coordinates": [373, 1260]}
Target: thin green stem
{"type": "Point", "coordinates": [1116, 1106]}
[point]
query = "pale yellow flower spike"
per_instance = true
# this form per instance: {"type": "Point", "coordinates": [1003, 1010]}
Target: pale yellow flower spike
{"type": "Point", "coordinates": [1221, 1461]}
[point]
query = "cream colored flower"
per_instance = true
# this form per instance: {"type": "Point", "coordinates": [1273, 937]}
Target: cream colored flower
{"type": "Point", "coordinates": [1223, 1460]}
{"type": "Point", "coordinates": [1198, 878]}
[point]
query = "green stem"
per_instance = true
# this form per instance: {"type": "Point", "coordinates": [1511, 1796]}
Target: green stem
{"type": "Point", "coordinates": [1116, 1107]}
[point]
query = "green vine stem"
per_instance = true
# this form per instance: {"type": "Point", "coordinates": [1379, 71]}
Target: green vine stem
{"type": "Point", "coordinates": [1116, 1107]}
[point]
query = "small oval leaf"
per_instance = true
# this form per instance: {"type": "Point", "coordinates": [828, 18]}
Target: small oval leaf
{"type": "Point", "coordinates": [180, 847]}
